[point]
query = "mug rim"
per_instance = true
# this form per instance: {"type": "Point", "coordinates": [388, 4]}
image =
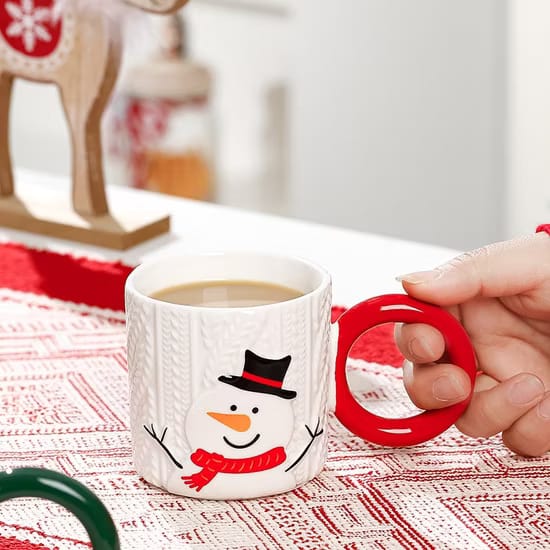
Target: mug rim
{"type": "Point", "coordinates": [325, 279]}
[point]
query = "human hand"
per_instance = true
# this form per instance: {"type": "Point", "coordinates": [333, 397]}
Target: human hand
{"type": "Point", "coordinates": [501, 295]}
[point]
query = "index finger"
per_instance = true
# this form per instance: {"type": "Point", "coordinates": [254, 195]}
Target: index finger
{"type": "Point", "coordinates": [497, 270]}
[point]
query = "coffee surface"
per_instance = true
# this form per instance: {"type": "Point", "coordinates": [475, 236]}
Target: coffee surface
{"type": "Point", "coordinates": [226, 294]}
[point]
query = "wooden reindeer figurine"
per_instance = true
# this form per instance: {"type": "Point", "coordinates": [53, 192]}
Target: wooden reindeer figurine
{"type": "Point", "coordinates": [75, 45]}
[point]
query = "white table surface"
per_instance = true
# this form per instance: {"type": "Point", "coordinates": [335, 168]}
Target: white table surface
{"type": "Point", "coordinates": [361, 264]}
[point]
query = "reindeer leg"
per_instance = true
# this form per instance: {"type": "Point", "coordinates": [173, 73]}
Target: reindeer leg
{"type": "Point", "coordinates": [89, 198]}
{"type": "Point", "coordinates": [86, 87]}
{"type": "Point", "coordinates": [6, 175]}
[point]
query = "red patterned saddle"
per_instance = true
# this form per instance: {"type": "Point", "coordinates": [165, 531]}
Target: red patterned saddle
{"type": "Point", "coordinates": [31, 27]}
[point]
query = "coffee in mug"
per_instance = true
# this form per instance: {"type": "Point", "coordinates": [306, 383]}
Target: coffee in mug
{"type": "Point", "coordinates": [227, 293]}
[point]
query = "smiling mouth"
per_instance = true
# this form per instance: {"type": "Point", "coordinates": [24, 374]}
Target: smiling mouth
{"type": "Point", "coordinates": [235, 446]}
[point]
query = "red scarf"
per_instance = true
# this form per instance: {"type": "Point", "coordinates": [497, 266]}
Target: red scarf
{"type": "Point", "coordinates": [214, 463]}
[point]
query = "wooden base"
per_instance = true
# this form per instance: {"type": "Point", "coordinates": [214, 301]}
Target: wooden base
{"type": "Point", "coordinates": [47, 210]}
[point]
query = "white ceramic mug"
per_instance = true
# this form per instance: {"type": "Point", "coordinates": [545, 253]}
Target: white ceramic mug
{"type": "Point", "coordinates": [231, 403]}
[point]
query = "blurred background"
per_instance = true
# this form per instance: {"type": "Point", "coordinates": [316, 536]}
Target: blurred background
{"type": "Point", "coordinates": [426, 120]}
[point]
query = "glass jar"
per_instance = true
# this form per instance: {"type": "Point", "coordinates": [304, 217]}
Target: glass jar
{"type": "Point", "coordinates": [160, 128]}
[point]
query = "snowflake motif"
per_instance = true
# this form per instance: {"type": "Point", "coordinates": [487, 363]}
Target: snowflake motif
{"type": "Point", "coordinates": [27, 22]}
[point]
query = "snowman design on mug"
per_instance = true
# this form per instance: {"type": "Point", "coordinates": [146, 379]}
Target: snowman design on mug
{"type": "Point", "coordinates": [239, 431]}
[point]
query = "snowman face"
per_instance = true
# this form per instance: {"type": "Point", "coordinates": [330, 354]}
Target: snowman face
{"type": "Point", "coordinates": [238, 423]}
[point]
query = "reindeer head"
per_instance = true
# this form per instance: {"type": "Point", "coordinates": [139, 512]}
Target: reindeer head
{"type": "Point", "coordinates": [157, 6]}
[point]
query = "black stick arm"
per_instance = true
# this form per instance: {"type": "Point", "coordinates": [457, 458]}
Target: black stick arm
{"type": "Point", "coordinates": [313, 436]}
{"type": "Point", "coordinates": [151, 432]}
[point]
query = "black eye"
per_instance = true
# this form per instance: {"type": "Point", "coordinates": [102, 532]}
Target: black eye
{"type": "Point", "coordinates": [255, 410]}
{"type": "Point", "coordinates": [233, 407]}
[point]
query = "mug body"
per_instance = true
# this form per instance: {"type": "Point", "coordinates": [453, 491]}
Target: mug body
{"type": "Point", "coordinates": [229, 403]}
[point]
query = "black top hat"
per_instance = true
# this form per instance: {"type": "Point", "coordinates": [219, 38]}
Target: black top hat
{"type": "Point", "coordinates": [262, 375]}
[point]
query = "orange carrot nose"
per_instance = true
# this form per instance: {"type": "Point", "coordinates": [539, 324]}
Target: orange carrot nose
{"type": "Point", "coordinates": [237, 422]}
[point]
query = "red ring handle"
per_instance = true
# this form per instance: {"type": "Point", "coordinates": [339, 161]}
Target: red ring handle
{"type": "Point", "coordinates": [392, 308]}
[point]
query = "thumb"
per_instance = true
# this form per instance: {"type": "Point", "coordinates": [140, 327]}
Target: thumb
{"type": "Point", "coordinates": [497, 270]}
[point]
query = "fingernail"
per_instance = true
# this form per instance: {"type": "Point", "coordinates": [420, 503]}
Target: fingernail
{"type": "Point", "coordinates": [544, 408]}
{"type": "Point", "coordinates": [420, 277]}
{"type": "Point", "coordinates": [407, 372]}
{"type": "Point", "coordinates": [398, 327]}
{"type": "Point", "coordinates": [526, 390]}
{"type": "Point", "coordinates": [448, 388]}
{"type": "Point", "coordinates": [420, 348]}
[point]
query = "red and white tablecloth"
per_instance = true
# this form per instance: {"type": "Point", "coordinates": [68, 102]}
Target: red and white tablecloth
{"type": "Point", "coordinates": [64, 406]}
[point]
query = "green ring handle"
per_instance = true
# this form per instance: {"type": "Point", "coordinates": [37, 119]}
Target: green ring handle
{"type": "Point", "coordinates": [69, 493]}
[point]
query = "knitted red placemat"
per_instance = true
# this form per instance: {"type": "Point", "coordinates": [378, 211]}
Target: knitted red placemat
{"type": "Point", "coordinates": [64, 406]}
